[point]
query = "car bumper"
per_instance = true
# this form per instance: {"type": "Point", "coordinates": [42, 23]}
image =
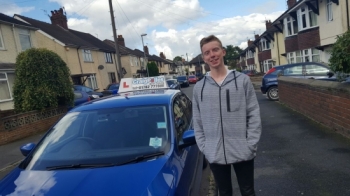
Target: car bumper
{"type": "Point", "coordinates": [263, 90]}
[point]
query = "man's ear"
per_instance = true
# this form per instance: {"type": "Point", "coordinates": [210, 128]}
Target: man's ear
{"type": "Point", "coordinates": [224, 51]}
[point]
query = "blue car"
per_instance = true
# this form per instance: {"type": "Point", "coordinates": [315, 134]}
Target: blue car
{"type": "Point", "coordinates": [89, 91]}
{"type": "Point", "coordinates": [81, 97]}
{"type": "Point", "coordinates": [139, 143]}
{"type": "Point", "coordinates": [306, 70]}
{"type": "Point", "coordinates": [112, 89]}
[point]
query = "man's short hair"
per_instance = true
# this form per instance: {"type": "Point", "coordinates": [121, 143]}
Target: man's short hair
{"type": "Point", "coordinates": [208, 39]}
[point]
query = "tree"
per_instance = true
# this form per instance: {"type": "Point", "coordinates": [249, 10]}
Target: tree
{"type": "Point", "coordinates": [42, 81]}
{"type": "Point", "coordinates": [152, 69]}
{"type": "Point", "coordinates": [177, 58]}
{"type": "Point", "coordinates": [340, 55]}
{"type": "Point", "coordinates": [232, 53]}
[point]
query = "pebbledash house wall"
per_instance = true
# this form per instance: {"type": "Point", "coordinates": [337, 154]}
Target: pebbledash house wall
{"type": "Point", "coordinates": [327, 103]}
{"type": "Point", "coordinates": [18, 126]}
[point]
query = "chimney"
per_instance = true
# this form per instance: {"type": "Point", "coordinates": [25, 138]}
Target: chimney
{"type": "Point", "coordinates": [120, 40]}
{"type": "Point", "coordinates": [162, 55]}
{"type": "Point", "coordinates": [249, 42]}
{"type": "Point", "coordinates": [256, 36]}
{"type": "Point", "coordinates": [59, 18]}
{"type": "Point", "coordinates": [291, 3]}
{"type": "Point", "coordinates": [145, 48]}
{"type": "Point", "coordinates": [268, 24]}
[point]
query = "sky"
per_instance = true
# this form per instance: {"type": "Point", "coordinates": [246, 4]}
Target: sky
{"type": "Point", "coordinates": [173, 27]}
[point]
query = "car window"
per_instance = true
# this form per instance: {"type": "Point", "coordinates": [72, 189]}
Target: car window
{"type": "Point", "coordinates": [77, 95]}
{"type": "Point", "coordinates": [170, 82]}
{"type": "Point", "coordinates": [113, 87]}
{"type": "Point", "coordinates": [86, 89]}
{"type": "Point", "coordinates": [296, 70]}
{"type": "Point", "coordinates": [112, 135]}
{"type": "Point", "coordinates": [181, 120]}
{"type": "Point", "coordinates": [182, 78]}
{"type": "Point", "coordinates": [316, 70]}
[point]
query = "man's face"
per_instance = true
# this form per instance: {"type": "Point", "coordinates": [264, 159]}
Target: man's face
{"type": "Point", "coordinates": [213, 54]}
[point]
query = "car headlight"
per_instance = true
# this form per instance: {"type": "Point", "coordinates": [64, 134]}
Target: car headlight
{"type": "Point", "coordinates": [95, 96]}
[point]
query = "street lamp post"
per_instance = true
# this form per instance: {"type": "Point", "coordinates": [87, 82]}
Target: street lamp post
{"type": "Point", "coordinates": [144, 54]}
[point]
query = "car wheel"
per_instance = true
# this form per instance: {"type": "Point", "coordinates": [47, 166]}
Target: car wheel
{"type": "Point", "coordinates": [272, 93]}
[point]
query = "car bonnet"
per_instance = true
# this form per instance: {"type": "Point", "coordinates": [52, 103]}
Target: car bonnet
{"type": "Point", "coordinates": [133, 179]}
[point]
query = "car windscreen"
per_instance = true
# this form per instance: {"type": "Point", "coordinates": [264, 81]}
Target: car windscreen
{"type": "Point", "coordinates": [181, 78]}
{"type": "Point", "coordinates": [170, 82]}
{"type": "Point", "coordinates": [105, 136]}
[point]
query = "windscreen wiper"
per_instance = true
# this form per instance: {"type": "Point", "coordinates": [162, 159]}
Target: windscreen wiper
{"type": "Point", "coordinates": [80, 166]}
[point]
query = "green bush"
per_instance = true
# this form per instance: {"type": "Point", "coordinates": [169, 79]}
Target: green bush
{"type": "Point", "coordinates": [152, 69]}
{"type": "Point", "coordinates": [42, 81]}
{"type": "Point", "coordinates": [340, 55]}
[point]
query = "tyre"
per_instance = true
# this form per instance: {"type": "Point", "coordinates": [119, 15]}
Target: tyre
{"type": "Point", "coordinates": [272, 93]}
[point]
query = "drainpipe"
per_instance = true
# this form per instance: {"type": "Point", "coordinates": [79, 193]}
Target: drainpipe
{"type": "Point", "coordinates": [81, 68]}
{"type": "Point", "coordinates": [278, 50]}
{"type": "Point", "coordinates": [347, 14]}
{"type": "Point", "coordinates": [14, 37]}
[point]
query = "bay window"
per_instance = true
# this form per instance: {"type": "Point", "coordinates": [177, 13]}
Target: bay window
{"type": "Point", "coordinates": [264, 45]}
{"type": "Point", "coordinates": [267, 65]}
{"type": "Point", "coordinates": [307, 55]}
{"type": "Point", "coordinates": [290, 26]}
{"type": "Point", "coordinates": [249, 54]}
{"type": "Point", "coordinates": [6, 86]}
{"type": "Point", "coordinates": [306, 18]}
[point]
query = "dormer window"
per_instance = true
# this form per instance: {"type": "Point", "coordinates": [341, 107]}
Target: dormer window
{"type": "Point", "coordinates": [306, 18]}
{"type": "Point", "coordinates": [264, 45]}
{"type": "Point", "coordinates": [249, 54]}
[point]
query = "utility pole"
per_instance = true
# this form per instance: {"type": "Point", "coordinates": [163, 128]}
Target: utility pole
{"type": "Point", "coordinates": [119, 64]}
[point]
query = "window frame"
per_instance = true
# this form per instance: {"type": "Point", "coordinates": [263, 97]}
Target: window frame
{"type": "Point", "coordinates": [108, 57]}
{"type": "Point", "coordinates": [264, 45]}
{"type": "Point", "coordinates": [21, 33]}
{"type": "Point", "coordinates": [87, 55]}
{"type": "Point", "coordinates": [92, 81]}
{"type": "Point", "coordinates": [290, 21]}
{"type": "Point", "coordinates": [307, 13]}
{"type": "Point", "coordinates": [182, 108]}
{"type": "Point", "coordinates": [329, 10]}
{"type": "Point", "coordinates": [8, 86]}
{"type": "Point", "coordinates": [2, 46]}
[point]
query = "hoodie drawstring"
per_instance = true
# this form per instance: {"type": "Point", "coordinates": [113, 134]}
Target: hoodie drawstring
{"type": "Point", "coordinates": [203, 88]}
{"type": "Point", "coordinates": [234, 74]}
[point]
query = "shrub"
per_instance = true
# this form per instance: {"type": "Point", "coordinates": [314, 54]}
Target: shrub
{"type": "Point", "coordinates": [340, 55]}
{"type": "Point", "coordinates": [152, 69]}
{"type": "Point", "coordinates": [42, 81]}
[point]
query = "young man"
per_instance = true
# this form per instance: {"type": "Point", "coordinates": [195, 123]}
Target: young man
{"type": "Point", "coordinates": [227, 120]}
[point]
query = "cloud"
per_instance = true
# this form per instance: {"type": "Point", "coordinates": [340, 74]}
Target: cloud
{"type": "Point", "coordinates": [10, 8]}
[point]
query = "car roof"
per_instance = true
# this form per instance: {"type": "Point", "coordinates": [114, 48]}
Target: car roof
{"type": "Point", "coordinates": [302, 63]}
{"type": "Point", "coordinates": [163, 97]}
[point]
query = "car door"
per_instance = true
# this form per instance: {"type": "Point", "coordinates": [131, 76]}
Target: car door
{"type": "Point", "coordinates": [189, 180]}
{"type": "Point", "coordinates": [316, 71]}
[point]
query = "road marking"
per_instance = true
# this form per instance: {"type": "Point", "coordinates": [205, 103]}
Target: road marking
{"type": "Point", "coordinates": [11, 165]}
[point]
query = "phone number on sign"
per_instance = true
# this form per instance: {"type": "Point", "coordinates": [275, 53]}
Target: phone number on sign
{"type": "Point", "coordinates": [148, 86]}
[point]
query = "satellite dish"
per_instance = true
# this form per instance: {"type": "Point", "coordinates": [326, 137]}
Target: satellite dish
{"type": "Point", "coordinates": [100, 67]}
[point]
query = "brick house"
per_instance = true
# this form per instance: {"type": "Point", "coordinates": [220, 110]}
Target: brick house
{"type": "Point", "coordinates": [15, 37]}
{"type": "Point", "coordinates": [91, 61]}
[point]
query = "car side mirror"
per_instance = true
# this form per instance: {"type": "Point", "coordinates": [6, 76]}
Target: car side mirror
{"type": "Point", "coordinates": [27, 148]}
{"type": "Point", "coordinates": [188, 139]}
{"type": "Point", "coordinates": [330, 74]}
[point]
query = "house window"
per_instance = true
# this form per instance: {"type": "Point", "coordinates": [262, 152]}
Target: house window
{"type": "Point", "coordinates": [111, 76]}
{"type": "Point", "coordinates": [92, 81]}
{"type": "Point", "coordinates": [329, 10]}
{"type": "Point", "coordinates": [291, 57]}
{"type": "Point", "coordinates": [264, 45]}
{"type": "Point", "coordinates": [268, 64]}
{"type": "Point", "coordinates": [2, 45]}
{"type": "Point", "coordinates": [306, 18]}
{"type": "Point", "coordinates": [290, 26]}
{"type": "Point", "coordinates": [108, 57]}
{"type": "Point", "coordinates": [6, 86]}
{"type": "Point", "coordinates": [87, 55]}
{"type": "Point", "coordinates": [250, 54]}
{"type": "Point", "coordinates": [136, 61]}
{"type": "Point", "coordinates": [24, 39]}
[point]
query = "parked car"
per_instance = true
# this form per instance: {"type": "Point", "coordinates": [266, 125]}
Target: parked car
{"type": "Point", "coordinates": [192, 79]}
{"type": "Point", "coordinates": [81, 97]}
{"type": "Point", "coordinates": [250, 72]}
{"type": "Point", "coordinates": [173, 84]}
{"type": "Point", "coordinates": [183, 81]}
{"type": "Point", "coordinates": [88, 90]}
{"type": "Point", "coordinates": [111, 89]}
{"type": "Point", "coordinates": [307, 70]}
{"type": "Point", "coordinates": [140, 143]}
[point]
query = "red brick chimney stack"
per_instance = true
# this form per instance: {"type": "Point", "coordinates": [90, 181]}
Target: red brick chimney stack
{"type": "Point", "coordinates": [121, 41]}
{"type": "Point", "coordinates": [268, 24]}
{"type": "Point", "coordinates": [249, 42]}
{"type": "Point", "coordinates": [162, 55]}
{"type": "Point", "coordinates": [256, 36]}
{"type": "Point", "coordinates": [59, 18]}
{"type": "Point", "coordinates": [291, 3]}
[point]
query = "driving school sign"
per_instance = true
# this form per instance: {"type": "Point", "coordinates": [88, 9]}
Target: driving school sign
{"type": "Point", "coordinates": [134, 84]}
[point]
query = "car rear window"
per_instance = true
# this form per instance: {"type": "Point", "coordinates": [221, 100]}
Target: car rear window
{"type": "Point", "coordinates": [181, 78]}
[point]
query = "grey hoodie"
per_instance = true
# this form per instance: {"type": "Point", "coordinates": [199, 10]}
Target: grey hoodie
{"type": "Point", "coordinates": [226, 118]}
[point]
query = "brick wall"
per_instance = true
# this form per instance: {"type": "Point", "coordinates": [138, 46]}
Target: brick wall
{"type": "Point", "coordinates": [250, 61]}
{"type": "Point", "coordinates": [325, 102]}
{"type": "Point", "coordinates": [264, 55]}
{"type": "Point", "coordinates": [19, 126]}
{"type": "Point", "coordinates": [309, 38]}
{"type": "Point", "coordinates": [291, 43]}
